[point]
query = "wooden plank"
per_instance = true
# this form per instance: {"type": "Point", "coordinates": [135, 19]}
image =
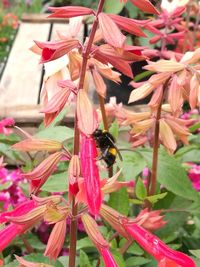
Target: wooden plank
{"type": "Point", "coordinates": [64, 28]}
{"type": "Point", "coordinates": [21, 79]}
{"type": "Point", "coordinates": [41, 18]}
{"type": "Point", "coordinates": [30, 114]}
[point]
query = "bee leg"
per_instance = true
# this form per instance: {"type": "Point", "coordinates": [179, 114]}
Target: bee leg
{"type": "Point", "coordinates": [100, 157]}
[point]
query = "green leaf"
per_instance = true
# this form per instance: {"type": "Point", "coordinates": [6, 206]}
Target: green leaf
{"type": "Point", "coordinates": [60, 117]}
{"type": "Point", "coordinates": [135, 249]}
{"type": "Point", "coordinates": [194, 139]}
{"type": "Point", "coordinates": [155, 198]}
{"type": "Point", "coordinates": [136, 201]}
{"type": "Point", "coordinates": [64, 260]}
{"type": "Point", "coordinates": [84, 259]}
{"type": "Point", "coordinates": [118, 258]}
{"type": "Point", "coordinates": [84, 243]}
{"type": "Point", "coordinates": [35, 258]}
{"type": "Point", "coordinates": [114, 129]}
{"type": "Point", "coordinates": [192, 156]}
{"type": "Point", "coordinates": [140, 190]}
{"type": "Point", "coordinates": [132, 165]}
{"type": "Point", "coordinates": [132, 10]}
{"type": "Point", "coordinates": [171, 174]}
{"type": "Point", "coordinates": [195, 252]}
{"type": "Point", "coordinates": [56, 183]}
{"type": "Point", "coordinates": [143, 75]}
{"type": "Point", "coordinates": [6, 150]}
{"type": "Point", "coordinates": [194, 127]}
{"type": "Point", "coordinates": [135, 261]}
{"type": "Point", "coordinates": [5, 185]}
{"type": "Point", "coordinates": [58, 133]}
{"type": "Point", "coordinates": [184, 150]}
{"type": "Point", "coordinates": [119, 201]}
{"type": "Point", "coordinates": [10, 139]}
{"type": "Point", "coordinates": [113, 6]}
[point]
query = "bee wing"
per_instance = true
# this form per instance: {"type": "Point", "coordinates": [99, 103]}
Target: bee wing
{"type": "Point", "coordinates": [118, 152]}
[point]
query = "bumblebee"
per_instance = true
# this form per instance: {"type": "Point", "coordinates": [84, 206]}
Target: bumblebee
{"type": "Point", "coordinates": [106, 144]}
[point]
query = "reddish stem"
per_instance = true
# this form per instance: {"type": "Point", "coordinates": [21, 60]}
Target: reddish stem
{"type": "Point", "coordinates": [73, 225]}
{"type": "Point", "coordinates": [153, 179]}
{"type": "Point", "coordinates": [87, 50]}
{"type": "Point", "coordinates": [85, 55]}
{"type": "Point", "coordinates": [155, 153]}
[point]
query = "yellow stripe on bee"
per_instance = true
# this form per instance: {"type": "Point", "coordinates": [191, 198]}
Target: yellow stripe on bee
{"type": "Point", "coordinates": [113, 151]}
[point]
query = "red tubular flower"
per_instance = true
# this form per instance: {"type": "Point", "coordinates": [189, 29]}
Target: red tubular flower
{"type": "Point", "coordinates": [69, 11]}
{"type": "Point", "coordinates": [55, 105]}
{"type": "Point", "coordinates": [86, 114]}
{"type": "Point", "coordinates": [127, 24]}
{"type": "Point", "coordinates": [96, 237]}
{"type": "Point", "coordinates": [167, 263]}
{"type": "Point", "coordinates": [156, 247]}
{"type": "Point", "coordinates": [90, 173]}
{"type": "Point", "coordinates": [12, 230]}
{"type": "Point", "coordinates": [55, 49]}
{"type": "Point", "coordinates": [73, 175]}
{"type": "Point", "coordinates": [110, 31]}
{"type": "Point", "coordinates": [145, 5]}
{"type": "Point", "coordinates": [18, 211]}
{"type": "Point", "coordinates": [107, 257]}
{"type": "Point", "coordinates": [9, 233]}
{"type": "Point", "coordinates": [41, 173]}
{"type": "Point", "coordinates": [56, 240]}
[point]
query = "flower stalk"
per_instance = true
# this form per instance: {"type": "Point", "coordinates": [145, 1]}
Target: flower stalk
{"type": "Point", "coordinates": [85, 55]}
{"type": "Point", "coordinates": [153, 178]}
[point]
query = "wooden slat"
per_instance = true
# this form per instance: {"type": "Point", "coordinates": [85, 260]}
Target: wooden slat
{"type": "Point", "coordinates": [41, 18]}
{"type": "Point", "coordinates": [63, 28]}
{"type": "Point", "coordinates": [30, 114]}
{"type": "Point", "coordinates": [21, 79]}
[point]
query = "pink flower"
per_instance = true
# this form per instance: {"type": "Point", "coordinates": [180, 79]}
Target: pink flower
{"type": "Point", "coordinates": [56, 49]}
{"type": "Point", "coordinates": [69, 11]}
{"type": "Point", "coordinates": [96, 237]}
{"type": "Point", "coordinates": [5, 123]}
{"type": "Point", "coordinates": [110, 31]}
{"type": "Point", "coordinates": [151, 220]}
{"type": "Point", "coordinates": [18, 211]}
{"type": "Point", "coordinates": [41, 173]}
{"type": "Point", "coordinates": [165, 262]}
{"type": "Point", "coordinates": [90, 173]}
{"type": "Point", "coordinates": [194, 175]}
{"type": "Point", "coordinates": [56, 240]}
{"type": "Point", "coordinates": [156, 247]}
{"type": "Point", "coordinates": [6, 3]}
{"type": "Point", "coordinates": [8, 233]}
{"type": "Point", "coordinates": [86, 114]}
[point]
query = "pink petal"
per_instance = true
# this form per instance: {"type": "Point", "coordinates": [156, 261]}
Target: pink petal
{"type": "Point", "coordinates": [19, 210]}
{"type": "Point", "coordinates": [110, 31]}
{"type": "Point", "coordinates": [156, 247]}
{"type": "Point", "coordinates": [90, 173]}
{"type": "Point", "coordinates": [145, 5]}
{"type": "Point", "coordinates": [87, 116]}
{"type": "Point", "coordinates": [9, 233]}
{"type": "Point", "coordinates": [108, 259]}
{"type": "Point", "coordinates": [69, 11]}
{"type": "Point", "coordinates": [127, 25]}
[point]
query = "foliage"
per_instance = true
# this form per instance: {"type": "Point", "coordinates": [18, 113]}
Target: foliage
{"type": "Point", "coordinates": [143, 210]}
